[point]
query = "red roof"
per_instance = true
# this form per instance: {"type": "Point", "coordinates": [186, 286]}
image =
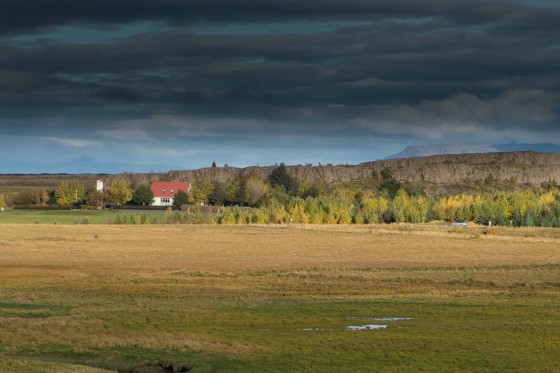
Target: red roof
{"type": "Point", "coordinates": [169, 188]}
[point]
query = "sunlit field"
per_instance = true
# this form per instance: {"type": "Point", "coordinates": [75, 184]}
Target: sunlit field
{"type": "Point", "coordinates": [65, 216]}
{"type": "Point", "coordinates": [211, 298]}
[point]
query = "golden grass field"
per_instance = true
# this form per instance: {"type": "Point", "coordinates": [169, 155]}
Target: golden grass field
{"type": "Point", "coordinates": [279, 298]}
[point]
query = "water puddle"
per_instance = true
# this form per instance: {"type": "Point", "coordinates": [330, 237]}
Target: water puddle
{"type": "Point", "coordinates": [389, 319]}
{"type": "Point", "coordinates": [376, 326]}
{"type": "Point", "coordinates": [366, 327]}
{"type": "Point", "coordinates": [386, 322]}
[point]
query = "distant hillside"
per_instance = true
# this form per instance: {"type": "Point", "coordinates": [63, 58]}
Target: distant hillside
{"type": "Point", "coordinates": [413, 151]}
{"type": "Point", "coordinates": [473, 172]}
{"type": "Point", "coordinates": [433, 174]}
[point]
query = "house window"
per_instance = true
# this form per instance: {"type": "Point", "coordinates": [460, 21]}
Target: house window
{"type": "Point", "coordinates": [164, 191]}
{"type": "Point", "coordinates": [165, 200]}
{"type": "Point", "coordinates": [171, 190]}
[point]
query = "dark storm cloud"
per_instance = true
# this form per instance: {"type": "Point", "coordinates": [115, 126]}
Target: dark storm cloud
{"type": "Point", "coordinates": [410, 70]}
{"type": "Point", "coordinates": [20, 15]}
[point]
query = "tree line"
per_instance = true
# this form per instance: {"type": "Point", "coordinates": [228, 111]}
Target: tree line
{"type": "Point", "coordinates": [281, 199]}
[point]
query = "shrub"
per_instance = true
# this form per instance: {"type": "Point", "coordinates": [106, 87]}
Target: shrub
{"type": "Point", "coordinates": [143, 218]}
{"type": "Point", "coordinates": [118, 219]}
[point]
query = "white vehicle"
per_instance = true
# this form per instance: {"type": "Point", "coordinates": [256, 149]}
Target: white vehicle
{"type": "Point", "coordinates": [459, 224]}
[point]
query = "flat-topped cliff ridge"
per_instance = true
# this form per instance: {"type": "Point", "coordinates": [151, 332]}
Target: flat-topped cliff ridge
{"type": "Point", "coordinates": [526, 167]}
{"type": "Point", "coordinates": [530, 168]}
{"type": "Point", "coordinates": [432, 174]}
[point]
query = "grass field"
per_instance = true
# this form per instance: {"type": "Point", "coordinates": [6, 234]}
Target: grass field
{"type": "Point", "coordinates": [276, 299]}
{"type": "Point", "coordinates": [69, 216]}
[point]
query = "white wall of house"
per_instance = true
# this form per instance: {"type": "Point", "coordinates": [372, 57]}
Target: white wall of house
{"type": "Point", "coordinates": [163, 201]}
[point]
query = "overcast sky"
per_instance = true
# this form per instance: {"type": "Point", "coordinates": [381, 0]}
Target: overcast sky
{"type": "Point", "coordinates": [140, 85]}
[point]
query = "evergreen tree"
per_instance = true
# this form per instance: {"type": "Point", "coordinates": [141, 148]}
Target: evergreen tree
{"type": "Point", "coordinates": [143, 195]}
{"type": "Point", "coordinates": [241, 196]}
{"type": "Point", "coordinates": [218, 195]}
{"type": "Point", "coordinates": [530, 217]}
{"type": "Point", "coordinates": [517, 219]}
{"type": "Point", "coordinates": [279, 177]}
{"type": "Point", "coordinates": [390, 184]}
{"type": "Point", "coordinates": [181, 198]}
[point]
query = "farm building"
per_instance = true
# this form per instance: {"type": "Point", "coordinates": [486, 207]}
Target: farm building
{"type": "Point", "coordinates": [165, 191]}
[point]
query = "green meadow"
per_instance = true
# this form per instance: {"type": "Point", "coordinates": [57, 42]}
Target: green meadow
{"type": "Point", "coordinates": [212, 298]}
{"type": "Point", "coordinates": [74, 217]}
{"type": "Point", "coordinates": [58, 216]}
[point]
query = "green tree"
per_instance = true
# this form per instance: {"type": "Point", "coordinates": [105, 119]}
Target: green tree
{"type": "Point", "coordinates": [200, 191]}
{"type": "Point", "coordinates": [399, 205]}
{"type": "Point", "coordinates": [69, 191]}
{"type": "Point", "coordinates": [390, 184]}
{"type": "Point", "coordinates": [231, 188]}
{"type": "Point", "coordinates": [143, 195]}
{"type": "Point", "coordinates": [94, 198]}
{"type": "Point", "coordinates": [218, 194]}
{"type": "Point", "coordinates": [241, 195]}
{"type": "Point", "coordinates": [279, 177]}
{"type": "Point", "coordinates": [416, 209]}
{"type": "Point", "coordinates": [2, 200]}
{"type": "Point", "coordinates": [314, 210]}
{"type": "Point", "coordinates": [313, 190]}
{"type": "Point", "coordinates": [530, 217]}
{"type": "Point", "coordinates": [276, 212]}
{"type": "Point", "coordinates": [119, 192]}
{"type": "Point", "coordinates": [296, 211]}
{"type": "Point", "coordinates": [181, 198]}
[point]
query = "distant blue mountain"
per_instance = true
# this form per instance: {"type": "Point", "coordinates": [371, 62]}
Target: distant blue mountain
{"type": "Point", "coordinates": [83, 165]}
{"type": "Point", "coordinates": [413, 151]}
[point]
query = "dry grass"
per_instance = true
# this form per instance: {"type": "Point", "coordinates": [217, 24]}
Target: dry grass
{"type": "Point", "coordinates": [155, 249]}
{"type": "Point", "coordinates": [124, 292]}
{"type": "Point", "coordinates": [20, 366]}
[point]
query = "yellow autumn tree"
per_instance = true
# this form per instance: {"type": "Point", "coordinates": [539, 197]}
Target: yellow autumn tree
{"type": "Point", "coordinates": [69, 191]}
{"type": "Point", "coordinates": [119, 192]}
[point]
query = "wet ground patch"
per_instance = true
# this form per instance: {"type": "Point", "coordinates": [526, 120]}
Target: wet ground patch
{"type": "Point", "coordinates": [366, 327]}
{"type": "Point", "coordinates": [385, 320]}
{"type": "Point", "coordinates": [31, 311]}
{"type": "Point", "coordinates": [376, 326]}
{"type": "Point", "coordinates": [156, 367]}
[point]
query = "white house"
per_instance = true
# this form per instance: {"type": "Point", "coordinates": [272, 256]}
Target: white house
{"type": "Point", "coordinates": [165, 191]}
{"type": "Point", "coordinates": [99, 186]}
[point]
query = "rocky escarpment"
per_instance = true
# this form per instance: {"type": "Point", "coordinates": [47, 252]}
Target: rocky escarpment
{"type": "Point", "coordinates": [432, 174]}
{"type": "Point", "coordinates": [328, 174]}
{"type": "Point", "coordinates": [435, 172]}
{"type": "Point", "coordinates": [520, 167]}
